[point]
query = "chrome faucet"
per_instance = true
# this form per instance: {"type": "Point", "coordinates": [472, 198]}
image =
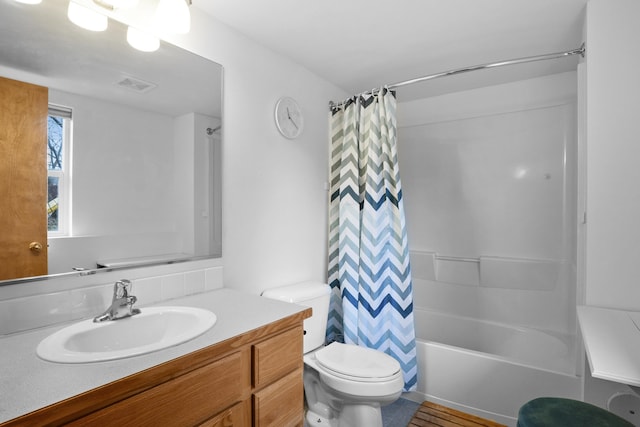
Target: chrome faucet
{"type": "Point", "coordinates": [122, 304]}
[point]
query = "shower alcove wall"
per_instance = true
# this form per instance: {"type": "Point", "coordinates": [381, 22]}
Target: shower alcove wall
{"type": "Point", "coordinates": [489, 183]}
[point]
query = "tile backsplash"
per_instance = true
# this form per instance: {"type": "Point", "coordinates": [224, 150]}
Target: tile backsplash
{"type": "Point", "coordinates": [23, 313]}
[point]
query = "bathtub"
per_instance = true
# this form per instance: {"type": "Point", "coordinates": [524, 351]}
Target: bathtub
{"type": "Point", "coordinates": [490, 369]}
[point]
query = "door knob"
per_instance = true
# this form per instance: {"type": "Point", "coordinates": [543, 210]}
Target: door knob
{"type": "Point", "coordinates": [35, 247]}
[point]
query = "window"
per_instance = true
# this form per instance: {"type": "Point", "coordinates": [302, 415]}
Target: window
{"type": "Point", "coordinates": [59, 166]}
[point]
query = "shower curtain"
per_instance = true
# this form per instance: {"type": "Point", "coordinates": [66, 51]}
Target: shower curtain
{"type": "Point", "coordinates": [368, 270]}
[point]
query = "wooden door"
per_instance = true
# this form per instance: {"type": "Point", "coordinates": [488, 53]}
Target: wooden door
{"type": "Point", "coordinates": [23, 179]}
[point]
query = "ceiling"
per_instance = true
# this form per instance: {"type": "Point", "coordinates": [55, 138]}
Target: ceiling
{"type": "Point", "coordinates": [362, 44]}
{"type": "Point", "coordinates": [63, 56]}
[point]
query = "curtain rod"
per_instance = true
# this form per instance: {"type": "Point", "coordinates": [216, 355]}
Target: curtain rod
{"type": "Point", "coordinates": [580, 51]}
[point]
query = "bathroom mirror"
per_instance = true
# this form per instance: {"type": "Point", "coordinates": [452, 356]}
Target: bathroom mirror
{"type": "Point", "coordinates": [145, 141]}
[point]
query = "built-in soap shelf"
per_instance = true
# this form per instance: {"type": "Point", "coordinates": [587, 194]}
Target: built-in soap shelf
{"type": "Point", "coordinates": [486, 271]}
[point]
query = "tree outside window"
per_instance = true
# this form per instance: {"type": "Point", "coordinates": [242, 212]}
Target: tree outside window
{"type": "Point", "coordinates": [58, 122]}
{"type": "Point", "coordinates": [54, 162]}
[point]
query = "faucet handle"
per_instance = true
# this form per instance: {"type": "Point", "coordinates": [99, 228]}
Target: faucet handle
{"type": "Point", "coordinates": [122, 288]}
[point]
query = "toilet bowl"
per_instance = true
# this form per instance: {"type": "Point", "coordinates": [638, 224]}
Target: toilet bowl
{"type": "Point", "coordinates": [345, 385]}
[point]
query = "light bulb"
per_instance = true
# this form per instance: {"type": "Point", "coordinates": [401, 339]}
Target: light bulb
{"type": "Point", "coordinates": [173, 16]}
{"type": "Point", "coordinates": [86, 18]}
{"type": "Point", "coordinates": [141, 40]}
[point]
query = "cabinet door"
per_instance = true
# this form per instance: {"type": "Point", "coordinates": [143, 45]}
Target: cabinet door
{"type": "Point", "coordinates": [277, 356]}
{"type": "Point", "coordinates": [185, 401]}
{"type": "Point", "coordinates": [281, 403]}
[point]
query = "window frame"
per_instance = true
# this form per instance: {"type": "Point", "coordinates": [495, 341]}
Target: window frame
{"type": "Point", "coordinates": [64, 174]}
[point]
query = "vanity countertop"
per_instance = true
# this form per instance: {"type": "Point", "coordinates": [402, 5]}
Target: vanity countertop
{"type": "Point", "coordinates": [612, 342]}
{"type": "Point", "coordinates": [28, 383]}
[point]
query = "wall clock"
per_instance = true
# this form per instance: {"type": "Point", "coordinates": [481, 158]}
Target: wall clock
{"type": "Point", "coordinates": [289, 118]}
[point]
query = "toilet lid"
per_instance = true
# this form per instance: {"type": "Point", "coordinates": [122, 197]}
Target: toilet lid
{"type": "Point", "coordinates": [356, 361]}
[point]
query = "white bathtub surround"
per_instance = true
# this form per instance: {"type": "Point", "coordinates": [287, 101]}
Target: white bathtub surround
{"type": "Point", "coordinates": [34, 305]}
{"type": "Point", "coordinates": [519, 273]}
{"type": "Point", "coordinates": [457, 270]}
{"type": "Point", "coordinates": [489, 185]}
{"type": "Point", "coordinates": [489, 178]}
{"type": "Point", "coordinates": [423, 265]}
{"type": "Point", "coordinates": [540, 349]}
{"type": "Point", "coordinates": [544, 309]}
{"type": "Point", "coordinates": [487, 271]}
{"type": "Point", "coordinates": [490, 369]}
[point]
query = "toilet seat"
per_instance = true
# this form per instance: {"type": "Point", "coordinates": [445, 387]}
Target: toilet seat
{"type": "Point", "coordinates": [357, 363]}
{"type": "Point", "coordinates": [356, 360]}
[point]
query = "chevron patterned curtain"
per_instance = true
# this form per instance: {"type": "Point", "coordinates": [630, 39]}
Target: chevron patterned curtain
{"type": "Point", "coordinates": [369, 272]}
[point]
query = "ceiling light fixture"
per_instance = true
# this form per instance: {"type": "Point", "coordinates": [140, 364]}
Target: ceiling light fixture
{"type": "Point", "coordinates": [173, 16]}
{"type": "Point", "coordinates": [146, 19]}
{"type": "Point", "coordinates": [142, 40]}
{"type": "Point", "coordinates": [116, 4]}
{"type": "Point", "coordinates": [86, 18]}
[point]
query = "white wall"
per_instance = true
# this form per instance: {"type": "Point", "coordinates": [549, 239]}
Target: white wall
{"type": "Point", "coordinates": [612, 276]}
{"type": "Point", "coordinates": [124, 154]}
{"type": "Point", "coordinates": [274, 202]}
{"type": "Point", "coordinates": [613, 153]}
{"type": "Point", "coordinates": [183, 158]}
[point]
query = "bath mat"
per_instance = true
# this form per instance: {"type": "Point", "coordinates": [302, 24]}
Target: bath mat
{"type": "Point", "coordinates": [433, 415]}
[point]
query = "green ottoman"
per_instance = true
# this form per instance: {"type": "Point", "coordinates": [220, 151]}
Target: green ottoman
{"type": "Point", "coordinates": [558, 412]}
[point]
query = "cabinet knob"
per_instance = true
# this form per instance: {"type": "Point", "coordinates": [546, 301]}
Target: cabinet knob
{"type": "Point", "coordinates": [35, 247]}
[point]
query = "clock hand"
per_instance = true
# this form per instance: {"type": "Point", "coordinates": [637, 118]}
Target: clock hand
{"type": "Point", "coordinates": [291, 118]}
{"type": "Point", "coordinates": [294, 123]}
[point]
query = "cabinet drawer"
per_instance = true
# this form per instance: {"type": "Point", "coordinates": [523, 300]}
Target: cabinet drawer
{"type": "Point", "coordinates": [236, 416]}
{"type": "Point", "coordinates": [277, 356]}
{"type": "Point", "coordinates": [185, 401]}
{"type": "Point", "coordinates": [281, 403]}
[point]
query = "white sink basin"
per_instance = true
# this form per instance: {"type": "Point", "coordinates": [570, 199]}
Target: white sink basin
{"type": "Point", "coordinates": [153, 329]}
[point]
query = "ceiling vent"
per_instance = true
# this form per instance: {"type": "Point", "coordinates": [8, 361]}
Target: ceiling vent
{"type": "Point", "coordinates": [136, 85]}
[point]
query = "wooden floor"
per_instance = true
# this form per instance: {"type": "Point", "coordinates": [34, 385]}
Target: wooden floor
{"type": "Point", "coordinates": [434, 415]}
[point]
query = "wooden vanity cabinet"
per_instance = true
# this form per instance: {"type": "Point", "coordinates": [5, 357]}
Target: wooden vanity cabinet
{"type": "Point", "coordinates": [278, 404]}
{"type": "Point", "coordinates": [186, 400]}
{"type": "Point", "coordinates": [254, 379]}
{"type": "Point", "coordinates": [277, 380]}
{"type": "Point", "coordinates": [237, 415]}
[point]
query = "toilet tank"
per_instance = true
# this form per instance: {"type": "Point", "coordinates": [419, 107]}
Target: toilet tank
{"type": "Point", "coordinates": [309, 294]}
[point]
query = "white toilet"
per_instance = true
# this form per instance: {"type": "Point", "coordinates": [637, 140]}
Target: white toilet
{"type": "Point", "coordinates": [345, 385]}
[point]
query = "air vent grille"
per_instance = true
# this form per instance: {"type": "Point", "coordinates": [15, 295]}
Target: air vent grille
{"type": "Point", "coordinates": [136, 85]}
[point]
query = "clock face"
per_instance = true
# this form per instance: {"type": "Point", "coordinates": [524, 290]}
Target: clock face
{"type": "Point", "coordinates": [289, 119]}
